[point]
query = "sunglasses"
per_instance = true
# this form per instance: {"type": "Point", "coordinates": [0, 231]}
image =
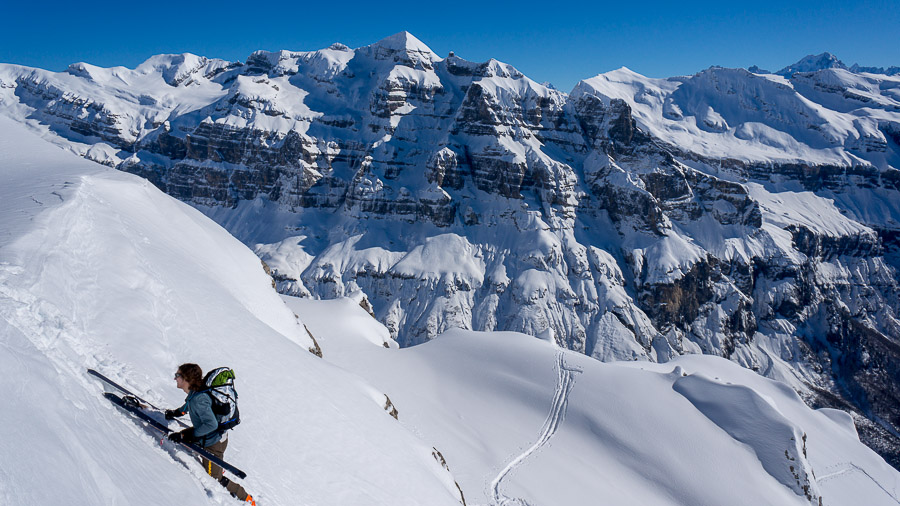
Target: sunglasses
{"type": "Point", "coordinates": [178, 376]}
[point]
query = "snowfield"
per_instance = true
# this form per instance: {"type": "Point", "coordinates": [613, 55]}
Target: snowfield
{"type": "Point", "coordinates": [98, 269]}
{"type": "Point", "coordinates": [521, 421]}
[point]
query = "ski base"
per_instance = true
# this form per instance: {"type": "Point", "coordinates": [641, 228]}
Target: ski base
{"type": "Point", "coordinates": [133, 405]}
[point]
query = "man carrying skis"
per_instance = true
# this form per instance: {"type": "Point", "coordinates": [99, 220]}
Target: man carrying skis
{"type": "Point", "coordinates": [204, 432]}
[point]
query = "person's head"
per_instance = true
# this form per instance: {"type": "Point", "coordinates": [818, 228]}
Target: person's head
{"type": "Point", "coordinates": [189, 377]}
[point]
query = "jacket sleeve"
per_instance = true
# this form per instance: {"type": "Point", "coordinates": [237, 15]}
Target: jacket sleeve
{"type": "Point", "coordinates": [201, 406]}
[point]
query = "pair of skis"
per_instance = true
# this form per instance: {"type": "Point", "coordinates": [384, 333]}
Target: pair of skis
{"type": "Point", "coordinates": [138, 407]}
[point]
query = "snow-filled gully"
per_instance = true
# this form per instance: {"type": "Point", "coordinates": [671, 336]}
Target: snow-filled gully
{"type": "Point", "coordinates": [564, 384]}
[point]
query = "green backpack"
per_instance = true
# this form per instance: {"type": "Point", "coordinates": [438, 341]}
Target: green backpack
{"type": "Point", "coordinates": [220, 387]}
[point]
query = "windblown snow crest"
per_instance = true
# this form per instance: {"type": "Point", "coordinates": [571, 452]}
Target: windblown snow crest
{"type": "Point", "coordinates": [744, 214]}
{"type": "Point", "coordinates": [789, 465]}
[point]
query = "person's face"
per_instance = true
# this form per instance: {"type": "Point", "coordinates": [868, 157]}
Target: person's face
{"type": "Point", "coordinates": [180, 383]}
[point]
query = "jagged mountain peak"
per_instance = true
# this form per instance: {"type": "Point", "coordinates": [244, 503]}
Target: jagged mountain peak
{"type": "Point", "coordinates": [324, 62]}
{"type": "Point", "coordinates": [625, 70]}
{"type": "Point", "coordinates": [178, 68]}
{"type": "Point", "coordinates": [890, 71]}
{"type": "Point", "coordinates": [161, 61]}
{"type": "Point", "coordinates": [602, 82]}
{"type": "Point", "coordinates": [175, 70]}
{"type": "Point", "coordinates": [617, 74]}
{"type": "Point", "coordinates": [403, 41]}
{"type": "Point", "coordinates": [82, 69]}
{"type": "Point", "coordinates": [494, 67]}
{"type": "Point", "coordinates": [405, 49]}
{"type": "Point", "coordinates": [812, 63]}
{"type": "Point", "coordinates": [490, 68]}
{"type": "Point", "coordinates": [716, 75]}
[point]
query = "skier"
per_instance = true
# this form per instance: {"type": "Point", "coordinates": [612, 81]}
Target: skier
{"type": "Point", "coordinates": [204, 432]}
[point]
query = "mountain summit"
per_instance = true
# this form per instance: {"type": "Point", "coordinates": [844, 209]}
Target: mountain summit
{"type": "Point", "coordinates": [403, 41]}
{"type": "Point", "coordinates": [812, 63]}
{"type": "Point", "coordinates": [404, 47]}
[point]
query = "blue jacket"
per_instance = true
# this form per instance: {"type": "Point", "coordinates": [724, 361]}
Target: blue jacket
{"type": "Point", "coordinates": [199, 406]}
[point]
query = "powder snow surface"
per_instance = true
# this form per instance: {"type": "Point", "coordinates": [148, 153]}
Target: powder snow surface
{"type": "Point", "coordinates": [521, 421]}
{"type": "Point", "coordinates": [109, 273]}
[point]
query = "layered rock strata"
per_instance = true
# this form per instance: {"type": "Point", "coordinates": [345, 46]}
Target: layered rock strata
{"type": "Point", "coordinates": [750, 216]}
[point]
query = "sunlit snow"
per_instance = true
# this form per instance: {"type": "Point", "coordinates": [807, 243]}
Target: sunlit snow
{"type": "Point", "coordinates": [99, 269]}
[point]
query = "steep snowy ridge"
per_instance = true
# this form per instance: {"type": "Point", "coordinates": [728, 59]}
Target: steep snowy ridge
{"type": "Point", "coordinates": [114, 275]}
{"type": "Point", "coordinates": [748, 215]}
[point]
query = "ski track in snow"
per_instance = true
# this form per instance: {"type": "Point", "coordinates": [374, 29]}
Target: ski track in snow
{"type": "Point", "coordinates": [564, 384]}
{"type": "Point", "coordinates": [845, 468]}
{"type": "Point", "coordinates": [54, 335]}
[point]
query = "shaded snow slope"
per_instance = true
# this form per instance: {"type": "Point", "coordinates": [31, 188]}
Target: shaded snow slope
{"type": "Point", "coordinates": [110, 273]}
{"type": "Point", "coordinates": [521, 421]}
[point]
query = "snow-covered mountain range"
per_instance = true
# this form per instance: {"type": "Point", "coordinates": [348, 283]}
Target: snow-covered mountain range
{"type": "Point", "coordinates": [100, 269]}
{"type": "Point", "coordinates": [748, 215]}
{"type": "Point", "coordinates": [814, 63]}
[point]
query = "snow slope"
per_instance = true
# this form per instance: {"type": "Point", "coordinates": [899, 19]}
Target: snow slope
{"type": "Point", "coordinates": [99, 269]}
{"type": "Point", "coordinates": [521, 421]}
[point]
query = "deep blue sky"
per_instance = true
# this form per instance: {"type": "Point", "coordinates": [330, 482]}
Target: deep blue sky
{"type": "Point", "coordinates": [559, 42]}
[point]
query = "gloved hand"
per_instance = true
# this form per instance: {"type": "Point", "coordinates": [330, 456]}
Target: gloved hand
{"type": "Point", "coordinates": [185, 436]}
{"type": "Point", "coordinates": [171, 414]}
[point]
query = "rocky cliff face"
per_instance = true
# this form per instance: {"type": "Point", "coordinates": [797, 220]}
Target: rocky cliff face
{"type": "Point", "coordinates": [751, 216]}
